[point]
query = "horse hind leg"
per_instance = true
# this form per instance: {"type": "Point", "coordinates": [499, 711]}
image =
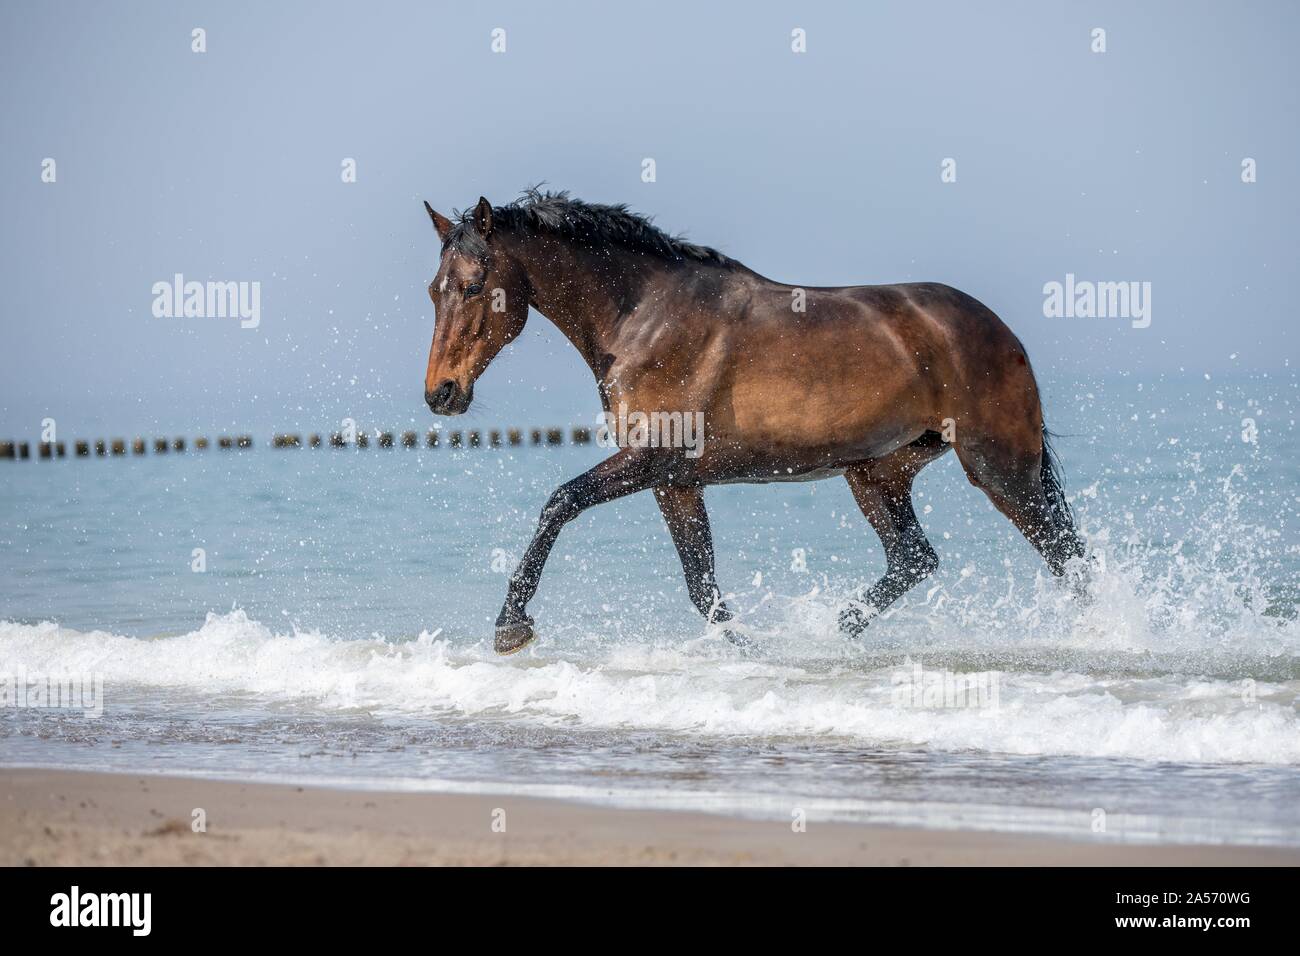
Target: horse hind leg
{"type": "Point", "coordinates": [883, 490]}
{"type": "Point", "coordinates": [1025, 486]}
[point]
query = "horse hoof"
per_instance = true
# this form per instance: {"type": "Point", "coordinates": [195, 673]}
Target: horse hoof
{"type": "Point", "coordinates": [738, 639]}
{"type": "Point", "coordinates": [512, 638]}
{"type": "Point", "coordinates": [853, 622]}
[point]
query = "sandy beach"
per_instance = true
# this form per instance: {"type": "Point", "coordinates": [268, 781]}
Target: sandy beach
{"type": "Point", "coordinates": [56, 818]}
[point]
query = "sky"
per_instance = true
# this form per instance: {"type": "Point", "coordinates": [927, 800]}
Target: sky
{"type": "Point", "coordinates": [817, 167]}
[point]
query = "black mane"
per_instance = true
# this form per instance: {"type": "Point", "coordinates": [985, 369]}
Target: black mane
{"type": "Point", "coordinates": [592, 224]}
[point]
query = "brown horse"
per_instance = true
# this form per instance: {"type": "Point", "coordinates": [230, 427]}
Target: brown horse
{"type": "Point", "coordinates": [794, 384]}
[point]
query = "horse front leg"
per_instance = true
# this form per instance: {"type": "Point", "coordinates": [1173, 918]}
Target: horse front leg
{"type": "Point", "coordinates": [627, 472]}
{"type": "Point", "coordinates": [688, 523]}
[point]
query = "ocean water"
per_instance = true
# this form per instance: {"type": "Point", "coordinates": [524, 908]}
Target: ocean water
{"type": "Point", "coordinates": [341, 630]}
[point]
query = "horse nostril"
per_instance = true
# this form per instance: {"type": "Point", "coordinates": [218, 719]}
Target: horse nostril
{"type": "Point", "coordinates": [440, 396]}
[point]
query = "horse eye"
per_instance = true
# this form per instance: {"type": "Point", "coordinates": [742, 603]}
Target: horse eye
{"type": "Point", "coordinates": [474, 289]}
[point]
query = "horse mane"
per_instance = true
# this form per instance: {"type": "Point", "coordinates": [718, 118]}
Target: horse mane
{"type": "Point", "coordinates": [591, 224]}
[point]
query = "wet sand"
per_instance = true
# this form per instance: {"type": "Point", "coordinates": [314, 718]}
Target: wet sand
{"type": "Point", "coordinates": [55, 817]}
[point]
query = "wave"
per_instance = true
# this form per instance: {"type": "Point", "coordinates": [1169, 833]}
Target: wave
{"type": "Point", "coordinates": [892, 698]}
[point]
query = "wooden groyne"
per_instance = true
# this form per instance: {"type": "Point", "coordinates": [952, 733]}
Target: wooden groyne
{"type": "Point", "coordinates": [433, 438]}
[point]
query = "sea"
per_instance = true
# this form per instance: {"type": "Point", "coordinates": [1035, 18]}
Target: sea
{"type": "Point", "coordinates": [325, 616]}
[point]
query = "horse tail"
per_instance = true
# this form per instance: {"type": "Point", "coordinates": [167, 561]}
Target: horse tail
{"type": "Point", "coordinates": [1058, 508]}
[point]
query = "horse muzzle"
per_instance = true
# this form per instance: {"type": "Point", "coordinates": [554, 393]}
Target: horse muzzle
{"type": "Point", "coordinates": [449, 398]}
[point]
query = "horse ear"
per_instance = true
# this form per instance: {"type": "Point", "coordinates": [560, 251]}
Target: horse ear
{"type": "Point", "coordinates": [440, 222]}
{"type": "Point", "coordinates": [483, 217]}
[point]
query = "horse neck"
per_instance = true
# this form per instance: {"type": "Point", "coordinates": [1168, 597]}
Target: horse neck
{"type": "Point", "coordinates": [581, 291]}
